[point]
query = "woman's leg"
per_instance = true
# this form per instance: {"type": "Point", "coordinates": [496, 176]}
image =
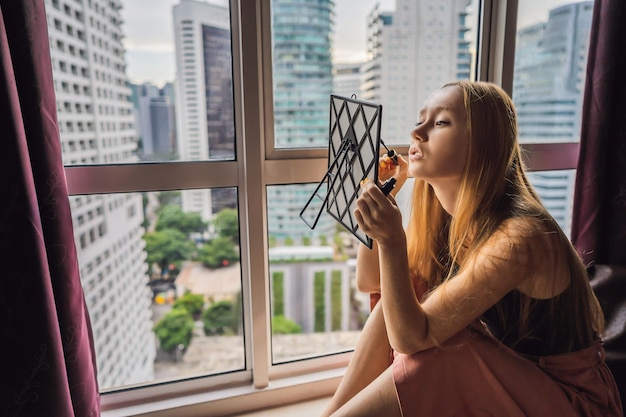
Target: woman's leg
{"type": "Point", "coordinates": [371, 357]}
{"type": "Point", "coordinates": [377, 399]}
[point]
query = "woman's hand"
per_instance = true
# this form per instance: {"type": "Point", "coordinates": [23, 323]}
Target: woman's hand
{"type": "Point", "coordinates": [378, 215]}
{"type": "Point", "coordinates": [387, 169]}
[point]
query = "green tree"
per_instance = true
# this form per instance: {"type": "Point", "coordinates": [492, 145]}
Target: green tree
{"type": "Point", "coordinates": [193, 303]}
{"type": "Point", "coordinates": [226, 224]}
{"type": "Point", "coordinates": [222, 317]}
{"type": "Point", "coordinates": [306, 241]}
{"type": "Point", "coordinates": [319, 292]}
{"type": "Point", "coordinates": [282, 325]}
{"type": "Point", "coordinates": [336, 299]}
{"type": "Point", "coordinates": [167, 247]}
{"type": "Point", "coordinates": [218, 252]}
{"type": "Point", "coordinates": [278, 292]}
{"type": "Point", "coordinates": [174, 329]}
{"type": "Point", "coordinates": [172, 217]}
{"type": "Point", "coordinates": [169, 197]}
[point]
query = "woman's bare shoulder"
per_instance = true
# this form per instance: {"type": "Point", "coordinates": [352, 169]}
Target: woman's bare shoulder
{"type": "Point", "coordinates": [537, 250]}
{"type": "Point", "coordinates": [519, 243]}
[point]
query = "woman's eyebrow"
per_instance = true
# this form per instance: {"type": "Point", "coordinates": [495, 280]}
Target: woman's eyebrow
{"type": "Point", "coordinates": [437, 109]}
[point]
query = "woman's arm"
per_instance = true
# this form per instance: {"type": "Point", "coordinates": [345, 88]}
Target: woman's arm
{"type": "Point", "coordinates": [367, 269]}
{"type": "Point", "coordinates": [412, 326]}
{"type": "Point", "coordinates": [367, 266]}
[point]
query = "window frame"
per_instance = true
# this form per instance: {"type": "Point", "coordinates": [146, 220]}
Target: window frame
{"type": "Point", "coordinates": [259, 164]}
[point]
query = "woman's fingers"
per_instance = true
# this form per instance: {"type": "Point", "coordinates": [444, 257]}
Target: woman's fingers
{"type": "Point", "coordinates": [373, 192]}
{"type": "Point", "coordinates": [373, 210]}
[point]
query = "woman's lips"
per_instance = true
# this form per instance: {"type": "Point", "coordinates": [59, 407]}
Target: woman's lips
{"type": "Point", "coordinates": [415, 154]}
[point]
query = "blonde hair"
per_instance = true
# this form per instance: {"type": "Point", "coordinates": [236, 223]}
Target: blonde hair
{"type": "Point", "coordinates": [494, 188]}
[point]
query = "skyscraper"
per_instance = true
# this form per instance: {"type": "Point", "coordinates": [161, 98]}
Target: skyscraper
{"type": "Point", "coordinates": [411, 52]}
{"type": "Point", "coordinates": [155, 122]}
{"type": "Point", "coordinates": [96, 126]}
{"type": "Point", "coordinates": [302, 76]}
{"type": "Point", "coordinates": [205, 115]}
{"type": "Point", "coordinates": [549, 76]}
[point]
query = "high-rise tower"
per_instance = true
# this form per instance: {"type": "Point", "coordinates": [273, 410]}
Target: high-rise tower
{"type": "Point", "coordinates": [205, 115]}
{"type": "Point", "coordinates": [302, 75]}
{"type": "Point", "coordinates": [96, 125]}
{"type": "Point", "coordinates": [549, 76]}
{"type": "Point", "coordinates": [411, 52]}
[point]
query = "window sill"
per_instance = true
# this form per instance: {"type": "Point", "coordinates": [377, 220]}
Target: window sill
{"type": "Point", "coordinates": [237, 400]}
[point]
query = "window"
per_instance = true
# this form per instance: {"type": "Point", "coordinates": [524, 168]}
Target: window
{"type": "Point", "coordinates": [311, 272]}
{"type": "Point", "coordinates": [549, 79]}
{"type": "Point", "coordinates": [186, 201]}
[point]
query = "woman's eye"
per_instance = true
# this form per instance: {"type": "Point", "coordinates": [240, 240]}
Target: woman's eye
{"type": "Point", "coordinates": [441, 123]}
{"type": "Point", "coordinates": [418, 123]}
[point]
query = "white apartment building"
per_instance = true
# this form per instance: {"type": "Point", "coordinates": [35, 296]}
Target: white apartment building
{"type": "Point", "coordinates": [411, 52]}
{"type": "Point", "coordinates": [96, 125]}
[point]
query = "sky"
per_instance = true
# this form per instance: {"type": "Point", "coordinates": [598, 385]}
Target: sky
{"type": "Point", "coordinates": [148, 30]}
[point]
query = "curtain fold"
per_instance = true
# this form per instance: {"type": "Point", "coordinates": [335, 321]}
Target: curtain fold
{"type": "Point", "coordinates": [599, 215]}
{"type": "Point", "coordinates": [48, 363]}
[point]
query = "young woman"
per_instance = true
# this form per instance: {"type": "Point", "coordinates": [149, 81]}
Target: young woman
{"type": "Point", "coordinates": [484, 306]}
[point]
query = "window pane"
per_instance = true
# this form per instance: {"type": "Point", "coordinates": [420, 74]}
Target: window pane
{"type": "Point", "coordinates": [393, 54]}
{"type": "Point", "coordinates": [315, 307]}
{"type": "Point", "coordinates": [172, 102]}
{"type": "Point", "coordinates": [549, 79]}
{"type": "Point", "coordinates": [162, 284]}
{"type": "Point", "coordinates": [556, 190]}
{"type": "Point", "coordinates": [549, 72]}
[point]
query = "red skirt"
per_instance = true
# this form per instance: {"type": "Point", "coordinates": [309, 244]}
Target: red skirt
{"type": "Point", "coordinates": [474, 375]}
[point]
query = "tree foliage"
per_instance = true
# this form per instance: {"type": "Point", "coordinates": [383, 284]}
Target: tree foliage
{"type": "Point", "coordinates": [278, 293]}
{"type": "Point", "coordinates": [173, 217]}
{"type": "Point", "coordinates": [168, 246]}
{"type": "Point", "coordinates": [222, 317]}
{"type": "Point", "coordinates": [169, 197]}
{"type": "Point", "coordinates": [218, 252]}
{"type": "Point", "coordinates": [319, 292]}
{"type": "Point", "coordinates": [193, 303]}
{"type": "Point", "coordinates": [174, 329]}
{"type": "Point", "coordinates": [226, 224]}
{"type": "Point", "coordinates": [282, 325]}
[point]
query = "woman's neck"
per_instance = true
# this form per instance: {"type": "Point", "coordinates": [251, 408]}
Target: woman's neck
{"type": "Point", "coordinates": [447, 192]}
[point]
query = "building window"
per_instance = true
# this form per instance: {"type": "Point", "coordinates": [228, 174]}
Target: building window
{"type": "Point", "coordinates": [171, 168]}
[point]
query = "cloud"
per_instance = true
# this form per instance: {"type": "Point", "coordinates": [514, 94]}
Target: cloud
{"type": "Point", "coordinates": [156, 67]}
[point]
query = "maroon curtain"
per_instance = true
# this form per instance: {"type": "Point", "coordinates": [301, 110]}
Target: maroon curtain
{"type": "Point", "coordinates": [47, 363]}
{"type": "Point", "coordinates": [599, 217]}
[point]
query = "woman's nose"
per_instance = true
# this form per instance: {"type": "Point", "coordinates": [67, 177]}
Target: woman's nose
{"type": "Point", "coordinates": [418, 135]}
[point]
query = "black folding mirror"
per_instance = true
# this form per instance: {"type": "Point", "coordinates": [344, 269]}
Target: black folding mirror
{"type": "Point", "coordinates": [353, 154]}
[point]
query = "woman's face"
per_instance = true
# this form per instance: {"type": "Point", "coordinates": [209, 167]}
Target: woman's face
{"type": "Point", "coordinates": [439, 142]}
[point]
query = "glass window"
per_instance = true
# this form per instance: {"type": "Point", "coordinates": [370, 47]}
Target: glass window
{"type": "Point", "coordinates": [551, 48]}
{"type": "Point", "coordinates": [373, 51]}
{"type": "Point", "coordinates": [392, 53]}
{"type": "Point", "coordinates": [162, 284]}
{"type": "Point", "coordinates": [160, 269]}
{"type": "Point", "coordinates": [171, 289]}
{"type": "Point", "coordinates": [146, 111]}
{"type": "Point", "coordinates": [315, 306]}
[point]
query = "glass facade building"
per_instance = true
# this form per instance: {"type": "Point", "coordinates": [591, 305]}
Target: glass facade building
{"type": "Point", "coordinates": [303, 78]}
{"type": "Point", "coordinates": [550, 63]}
